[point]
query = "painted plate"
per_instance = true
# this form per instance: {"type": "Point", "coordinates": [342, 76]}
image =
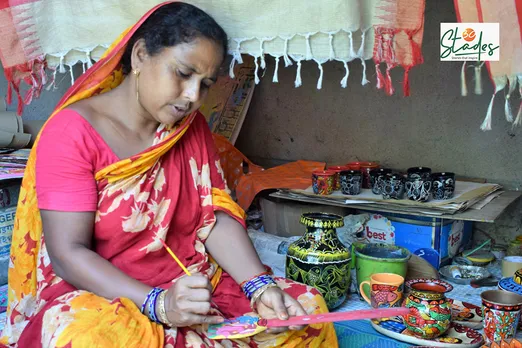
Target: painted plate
{"type": "Point", "coordinates": [457, 336]}
{"type": "Point", "coordinates": [466, 314]}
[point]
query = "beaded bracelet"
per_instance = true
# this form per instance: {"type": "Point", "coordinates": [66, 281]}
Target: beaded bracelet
{"type": "Point", "coordinates": [258, 294]}
{"type": "Point", "coordinates": [257, 275]}
{"type": "Point", "coordinates": [152, 305]}
{"type": "Point", "coordinates": [254, 284]}
{"type": "Point", "coordinates": [146, 300]}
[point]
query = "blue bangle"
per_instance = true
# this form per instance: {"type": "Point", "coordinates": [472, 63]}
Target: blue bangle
{"type": "Point", "coordinates": [253, 285]}
{"type": "Point", "coordinates": [152, 305]}
{"type": "Point", "coordinates": [146, 300]}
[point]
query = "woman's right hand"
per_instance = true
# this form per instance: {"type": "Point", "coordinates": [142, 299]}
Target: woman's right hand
{"type": "Point", "coordinates": [187, 302]}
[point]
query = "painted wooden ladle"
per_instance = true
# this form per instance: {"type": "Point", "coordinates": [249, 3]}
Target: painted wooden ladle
{"type": "Point", "coordinates": [246, 326]}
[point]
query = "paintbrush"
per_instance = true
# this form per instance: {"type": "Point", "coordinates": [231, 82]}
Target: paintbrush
{"type": "Point", "coordinates": [187, 272]}
{"type": "Point", "coordinates": [246, 326]}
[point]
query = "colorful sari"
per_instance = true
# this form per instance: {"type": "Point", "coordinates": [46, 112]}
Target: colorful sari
{"type": "Point", "coordinates": [140, 199]}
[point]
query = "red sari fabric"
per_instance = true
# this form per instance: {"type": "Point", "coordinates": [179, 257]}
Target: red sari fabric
{"type": "Point", "coordinates": [170, 191]}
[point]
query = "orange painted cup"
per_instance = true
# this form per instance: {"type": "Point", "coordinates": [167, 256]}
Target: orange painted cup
{"type": "Point", "coordinates": [337, 170]}
{"type": "Point", "coordinates": [385, 290]}
{"type": "Point", "coordinates": [323, 182]}
{"type": "Point", "coordinates": [353, 165]}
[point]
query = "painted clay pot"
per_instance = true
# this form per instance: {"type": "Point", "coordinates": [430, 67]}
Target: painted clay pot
{"type": "Point", "coordinates": [319, 259]}
{"type": "Point", "coordinates": [323, 182]}
{"type": "Point", "coordinates": [430, 310]}
{"type": "Point", "coordinates": [443, 186]}
{"type": "Point", "coordinates": [366, 167]}
{"type": "Point", "coordinates": [372, 258]}
{"type": "Point", "coordinates": [392, 186]}
{"type": "Point", "coordinates": [376, 179]}
{"type": "Point", "coordinates": [512, 284]}
{"type": "Point", "coordinates": [351, 181]}
{"type": "Point", "coordinates": [501, 311]}
{"type": "Point", "coordinates": [337, 180]}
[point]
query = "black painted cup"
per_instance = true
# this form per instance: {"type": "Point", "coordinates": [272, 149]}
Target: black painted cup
{"type": "Point", "coordinates": [443, 185]}
{"type": "Point", "coordinates": [351, 182]}
{"type": "Point", "coordinates": [376, 179]}
{"type": "Point", "coordinates": [392, 186]}
{"type": "Point", "coordinates": [419, 173]}
{"type": "Point", "coordinates": [418, 184]}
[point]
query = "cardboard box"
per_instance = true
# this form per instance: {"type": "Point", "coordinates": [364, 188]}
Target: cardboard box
{"type": "Point", "coordinates": [446, 237]}
{"type": "Point", "coordinates": [281, 218]}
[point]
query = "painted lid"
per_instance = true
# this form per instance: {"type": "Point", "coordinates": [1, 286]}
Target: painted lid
{"type": "Point", "coordinates": [508, 284]}
{"type": "Point", "coordinates": [481, 257]}
{"type": "Point", "coordinates": [517, 277]}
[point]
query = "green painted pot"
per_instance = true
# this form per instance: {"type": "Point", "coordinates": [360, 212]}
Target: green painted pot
{"type": "Point", "coordinates": [379, 258]}
{"type": "Point", "coordinates": [319, 259]}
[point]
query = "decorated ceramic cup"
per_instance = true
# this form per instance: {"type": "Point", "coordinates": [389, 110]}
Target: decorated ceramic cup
{"type": "Point", "coordinates": [443, 185]}
{"type": "Point", "coordinates": [501, 311]}
{"type": "Point", "coordinates": [351, 181]}
{"type": "Point", "coordinates": [353, 165]}
{"type": "Point", "coordinates": [385, 290]}
{"type": "Point", "coordinates": [418, 184]}
{"type": "Point", "coordinates": [376, 179]}
{"type": "Point", "coordinates": [423, 173]}
{"type": "Point", "coordinates": [366, 167]}
{"type": "Point", "coordinates": [323, 182]}
{"type": "Point", "coordinates": [393, 186]}
{"type": "Point", "coordinates": [337, 170]}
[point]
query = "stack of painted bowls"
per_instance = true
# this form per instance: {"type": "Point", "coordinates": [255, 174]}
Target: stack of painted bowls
{"type": "Point", "coordinates": [512, 284]}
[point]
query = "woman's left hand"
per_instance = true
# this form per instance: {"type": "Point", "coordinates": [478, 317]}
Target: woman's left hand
{"type": "Point", "coordinates": [274, 303]}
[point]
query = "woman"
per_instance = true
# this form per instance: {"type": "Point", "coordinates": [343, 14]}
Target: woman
{"type": "Point", "coordinates": [125, 163]}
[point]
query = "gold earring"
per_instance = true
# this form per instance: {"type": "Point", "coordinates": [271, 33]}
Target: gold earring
{"type": "Point", "coordinates": [136, 72]}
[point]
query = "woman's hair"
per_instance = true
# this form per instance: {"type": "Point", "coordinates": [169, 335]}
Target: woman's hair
{"type": "Point", "coordinates": [172, 24]}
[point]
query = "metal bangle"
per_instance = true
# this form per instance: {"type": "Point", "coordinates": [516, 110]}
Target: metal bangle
{"type": "Point", "coordinates": [162, 309]}
{"type": "Point", "coordinates": [258, 294]}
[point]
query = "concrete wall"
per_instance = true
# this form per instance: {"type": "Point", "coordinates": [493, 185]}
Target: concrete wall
{"type": "Point", "coordinates": [434, 127]}
{"type": "Point", "coordinates": [40, 108]}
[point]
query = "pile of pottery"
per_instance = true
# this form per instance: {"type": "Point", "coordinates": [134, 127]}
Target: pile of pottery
{"type": "Point", "coordinates": [349, 179]}
{"type": "Point", "coordinates": [418, 184]}
{"type": "Point", "coordinates": [320, 260]}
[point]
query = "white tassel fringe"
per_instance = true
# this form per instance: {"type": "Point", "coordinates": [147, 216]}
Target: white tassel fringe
{"type": "Point", "coordinates": [463, 84]}
{"type": "Point", "coordinates": [332, 51]}
{"type": "Point", "coordinates": [275, 79]}
{"type": "Point", "coordinates": [298, 81]}
{"type": "Point", "coordinates": [352, 51]}
{"type": "Point", "coordinates": [287, 59]}
{"type": "Point", "coordinates": [478, 78]}
{"type": "Point", "coordinates": [518, 120]}
{"type": "Point", "coordinates": [320, 80]}
{"type": "Point", "coordinates": [364, 79]}
{"type": "Point", "coordinates": [344, 81]}
{"type": "Point", "coordinates": [72, 74]}
{"type": "Point", "coordinates": [486, 124]}
{"type": "Point", "coordinates": [256, 76]}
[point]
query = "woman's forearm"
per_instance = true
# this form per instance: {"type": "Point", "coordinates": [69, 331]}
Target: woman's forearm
{"type": "Point", "coordinates": [230, 246]}
{"type": "Point", "coordinates": [86, 270]}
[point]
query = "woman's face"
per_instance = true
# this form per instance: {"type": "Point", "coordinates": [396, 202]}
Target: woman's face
{"type": "Point", "coordinates": [174, 82]}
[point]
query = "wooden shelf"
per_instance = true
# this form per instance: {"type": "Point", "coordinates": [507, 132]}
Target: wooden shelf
{"type": "Point", "coordinates": [489, 213]}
